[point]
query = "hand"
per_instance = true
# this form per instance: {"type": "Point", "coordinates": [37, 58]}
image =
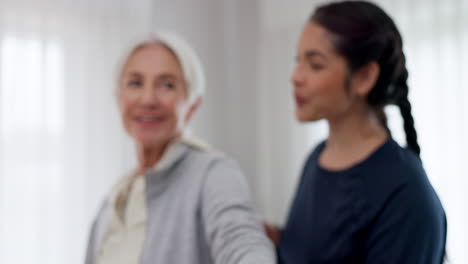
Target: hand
{"type": "Point", "coordinates": [273, 233]}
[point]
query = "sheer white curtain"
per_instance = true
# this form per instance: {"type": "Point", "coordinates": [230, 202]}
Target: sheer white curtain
{"type": "Point", "coordinates": [60, 140]}
{"type": "Point", "coordinates": [435, 37]}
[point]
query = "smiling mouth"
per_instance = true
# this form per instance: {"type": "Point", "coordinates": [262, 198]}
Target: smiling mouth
{"type": "Point", "coordinates": [149, 121]}
{"type": "Point", "coordinates": [148, 118]}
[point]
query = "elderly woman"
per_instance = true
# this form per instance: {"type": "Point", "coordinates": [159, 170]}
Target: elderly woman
{"type": "Point", "coordinates": [184, 203]}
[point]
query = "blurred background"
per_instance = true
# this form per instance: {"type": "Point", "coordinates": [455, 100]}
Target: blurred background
{"type": "Point", "coordinates": [62, 145]}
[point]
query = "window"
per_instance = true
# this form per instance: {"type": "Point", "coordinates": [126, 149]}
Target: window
{"type": "Point", "coordinates": [31, 134]}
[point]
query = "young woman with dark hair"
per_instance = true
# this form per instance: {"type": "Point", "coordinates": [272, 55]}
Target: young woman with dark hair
{"type": "Point", "coordinates": [362, 198]}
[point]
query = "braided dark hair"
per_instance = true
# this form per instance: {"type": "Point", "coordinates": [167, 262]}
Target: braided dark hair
{"type": "Point", "coordinates": [362, 32]}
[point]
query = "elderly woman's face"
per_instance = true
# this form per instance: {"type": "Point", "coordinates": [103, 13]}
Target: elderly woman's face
{"type": "Point", "coordinates": [152, 96]}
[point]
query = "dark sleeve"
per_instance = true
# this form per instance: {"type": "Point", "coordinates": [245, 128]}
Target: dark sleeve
{"type": "Point", "coordinates": [410, 227]}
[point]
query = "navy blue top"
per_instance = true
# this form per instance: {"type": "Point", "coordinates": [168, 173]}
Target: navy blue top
{"type": "Point", "coordinates": [382, 210]}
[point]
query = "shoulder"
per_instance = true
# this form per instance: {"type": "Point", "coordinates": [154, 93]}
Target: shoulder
{"type": "Point", "coordinates": [396, 181]}
{"type": "Point", "coordinates": [208, 159]}
{"type": "Point", "coordinates": [201, 168]}
{"type": "Point", "coordinates": [405, 220]}
{"type": "Point", "coordinates": [216, 169]}
{"type": "Point", "coordinates": [395, 166]}
{"type": "Point", "coordinates": [391, 167]}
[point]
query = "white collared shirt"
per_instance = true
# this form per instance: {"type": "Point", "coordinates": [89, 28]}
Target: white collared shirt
{"type": "Point", "coordinates": [123, 243]}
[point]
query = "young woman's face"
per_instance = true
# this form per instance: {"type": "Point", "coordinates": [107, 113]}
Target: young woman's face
{"type": "Point", "coordinates": [320, 77]}
{"type": "Point", "coordinates": [152, 96]}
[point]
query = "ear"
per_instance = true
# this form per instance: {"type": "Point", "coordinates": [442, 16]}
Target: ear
{"type": "Point", "coordinates": [365, 78]}
{"type": "Point", "coordinates": [193, 109]}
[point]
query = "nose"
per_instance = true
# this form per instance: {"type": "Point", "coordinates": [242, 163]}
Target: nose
{"type": "Point", "coordinates": [297, 77]}
{"type": "Point", "coordinates": [149, 97]}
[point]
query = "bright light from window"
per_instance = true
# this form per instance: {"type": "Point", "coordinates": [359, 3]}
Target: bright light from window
{"type": "Point", "coordinates": [31, 126]}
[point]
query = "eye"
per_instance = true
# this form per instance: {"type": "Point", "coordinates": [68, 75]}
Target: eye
{"type": "Point", "coordinates": [316, 66]}
{"type": "Point", "coordinates": [168, 85]}
{"type": "Point", "coordinates": [134, 83]}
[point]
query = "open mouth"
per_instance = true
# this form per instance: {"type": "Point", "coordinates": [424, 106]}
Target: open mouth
{"type": "Point", "coordinates": [299, 100]}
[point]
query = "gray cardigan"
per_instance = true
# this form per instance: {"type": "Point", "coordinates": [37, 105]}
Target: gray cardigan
{"type": "Point", "coordinates": [199, 212]}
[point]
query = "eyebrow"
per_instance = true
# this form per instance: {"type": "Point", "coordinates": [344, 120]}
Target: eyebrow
{"type": "Point", "coordinates": [314, 53]}
{"type": "Point", "coordinates": [161, 76]}
{"type": "Point", "coordinates": [134, 74]}
{"type": "Point", "coordinates": [167, 76]}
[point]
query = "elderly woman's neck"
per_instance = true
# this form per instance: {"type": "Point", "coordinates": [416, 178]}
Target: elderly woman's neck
{"type": "Point", "coordinates": [148, 157]}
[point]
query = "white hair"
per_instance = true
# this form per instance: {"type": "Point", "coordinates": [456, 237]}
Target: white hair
{"type": "Point", "coordinates": [190, 62]}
